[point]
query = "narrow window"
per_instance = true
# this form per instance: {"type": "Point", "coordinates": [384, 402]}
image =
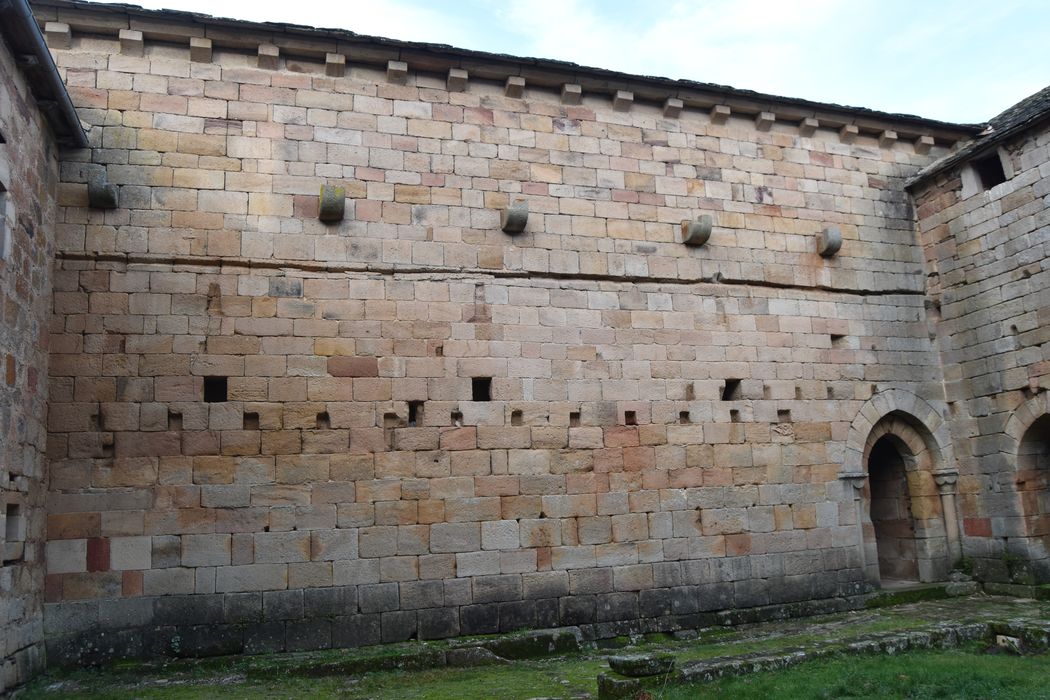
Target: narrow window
{"type": "Point", "coordinates": [13, 526]}
{"type": "Point", "coordinates": [481, 389]}
{"type": "Point", "coordinates": [5, 230]}
{"type": "Point", "coordinates": [415, 413]}
{"type": "Point", "coordinates": [175, 420]}
{"type": "Point", "coordinates": [215, 389]}
{"type": "Point", "coordinates": [323, 422]}
{"type": "Point", "coordinates": [574, 419]}
{"type": "Point", "coordinates": [14, 531]}
{"type": "Point", "coordinates": [990, 170]}
{"type": "Point", "coordinates": [457, 418]}
{"type": "Point", "coordinates": [515, 418]}
{"type": "Point", "coordinates": [734, 416]}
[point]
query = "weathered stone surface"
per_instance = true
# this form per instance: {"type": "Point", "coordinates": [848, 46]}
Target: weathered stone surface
{"type": "Point", "coordinates": [514, 218]}
{"type": "Point", "coordinates": [640, 666]}
{"type": "Point", "coordinates": [612, 688]}
{"type": "Point", "coordinates": [473, 656]}
{"type": "Point", "coordinates": [829, 241]}
{"type": "Point", "coordinates": [408, 424]}
{"type": "Point", "coordinates": [101, 194]}
{"type": "Point", "coordinates": [698, 231]}
{"type": "Point", "coordinates": [332, 204]}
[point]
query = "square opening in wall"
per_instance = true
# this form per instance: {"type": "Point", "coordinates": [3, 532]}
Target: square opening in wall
{"type": "Point", "coordinates": [456, 417]}
{"type": "Point", "coordinates": [630, 418]}
{"type": "Point", "coordinates": [15, 534]}
{"type": "Point", "coordinates": [481, 389]}
{"type": "Point", "coordinates": [990, 170]}
{"type": "Point", "coordinates": [516, 418]}
{"type": "Point", "coordinates": [415, 413]}
{"type": "Point", "coordinates": [783, 416]}
{"type": "Point", "coordinates": [574, 419]}
{"type": "Point", "coordinates": [683, 417]}
{"type": "Point", "coordinates": [13, 531]}
{"type": "Point", "coordinates": [251, 421]}
{"type": "Point", "coordinates": [731, 390]}
{"type": "Point", "coordinates": [215, 389]}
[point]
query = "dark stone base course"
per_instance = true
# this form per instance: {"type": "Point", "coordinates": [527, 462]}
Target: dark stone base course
{"type": "Point", "coordinates": [313, 619]}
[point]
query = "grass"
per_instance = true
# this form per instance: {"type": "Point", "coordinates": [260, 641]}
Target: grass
{"type": "Point", "coordinates": [958, 674]}
{"type": "Point", "coordinates": [562, 677]}
{"type": "Point", "coordinates": [397, 671]}
{"type": "Point", "coordinates": [965, 673]}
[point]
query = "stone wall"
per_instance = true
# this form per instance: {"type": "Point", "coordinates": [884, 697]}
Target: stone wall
{"type": "Point", "coordinates": [271, 433]}
{"type": "Point", "coordinates": [988, 251]}
{"type": "Point", "coordinates": [28, 186]}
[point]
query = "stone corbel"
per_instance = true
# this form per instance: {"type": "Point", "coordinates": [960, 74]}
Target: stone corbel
{"type": "Point", "coordinates": [101, 194]}
{"type": "Point", "coordinates": [829, 241]}
{"type": "Point", "coordinates": [331, 206]}
{"type": "Point", "coordinates": [512, 220]}
{"type": "Point", "coordinates": [696, 233]}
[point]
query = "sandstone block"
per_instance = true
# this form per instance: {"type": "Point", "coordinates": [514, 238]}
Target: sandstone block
{"type": "Point", "coordinates": [455, 537]}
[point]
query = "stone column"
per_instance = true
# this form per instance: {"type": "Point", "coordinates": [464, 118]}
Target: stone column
{"type": "Point", "coordinates": [857, 482]}
{"type": "Point", "coordinates": [946, 484]}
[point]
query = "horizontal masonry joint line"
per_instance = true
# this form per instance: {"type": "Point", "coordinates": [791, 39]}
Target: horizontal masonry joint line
{"type": "Point", "coordinates": [455, 273]}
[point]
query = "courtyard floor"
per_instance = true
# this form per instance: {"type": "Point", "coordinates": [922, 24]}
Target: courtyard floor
{"type": "Point", "coordinates": [930, 649]}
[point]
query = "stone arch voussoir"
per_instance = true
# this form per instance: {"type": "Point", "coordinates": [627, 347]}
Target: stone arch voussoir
{"type": "Point", "coordinates": [1020, 421]}
{"type": "Point", "coordinates": [922, 417]}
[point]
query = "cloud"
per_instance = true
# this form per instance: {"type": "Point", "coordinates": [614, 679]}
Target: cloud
{"type": "Point", "coordinates": [395, 19]}
{"type": "Point", "coordinates": [758, 44]}
{"type": "Point", "coordinates": [962, 64]}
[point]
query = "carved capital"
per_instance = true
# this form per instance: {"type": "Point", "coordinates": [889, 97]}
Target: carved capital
{"type": "Point", "coordinates": [946, 481]}
{"type": "Point", "coordinates": [854, 479]}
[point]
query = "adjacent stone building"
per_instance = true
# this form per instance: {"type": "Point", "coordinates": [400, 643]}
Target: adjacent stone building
{"type": "Point", "coordinates": [36, 119]}
{"type": "Point", "coordinates": [355, 340]}
{"type": "Point", "coordinates": [985, 227]}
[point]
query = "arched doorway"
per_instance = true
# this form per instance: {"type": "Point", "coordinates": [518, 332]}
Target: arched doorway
{"type": "Point", "coordinates": [1033, 479]}
{"type": "Point", "coordinates": [902, 522]}
{"type": "Point", "coordinates": [890, 509]}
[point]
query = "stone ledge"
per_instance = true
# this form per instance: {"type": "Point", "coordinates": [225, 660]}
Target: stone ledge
{"type": "Point", "coordinates": [564, 624]}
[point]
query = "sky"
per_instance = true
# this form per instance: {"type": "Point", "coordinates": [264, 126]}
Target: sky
{"type": "Point", "coordinates": [962, 61]}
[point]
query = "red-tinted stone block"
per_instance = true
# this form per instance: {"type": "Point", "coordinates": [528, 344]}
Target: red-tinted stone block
{"type": "Point", "coordinates": [977, 527]}
{"type": "Point", "coordinates": [131, 584]}
{"type": "Point", "coordinates": [98, 554]}
{"type": "Point", "coordinates": [353, 366]}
